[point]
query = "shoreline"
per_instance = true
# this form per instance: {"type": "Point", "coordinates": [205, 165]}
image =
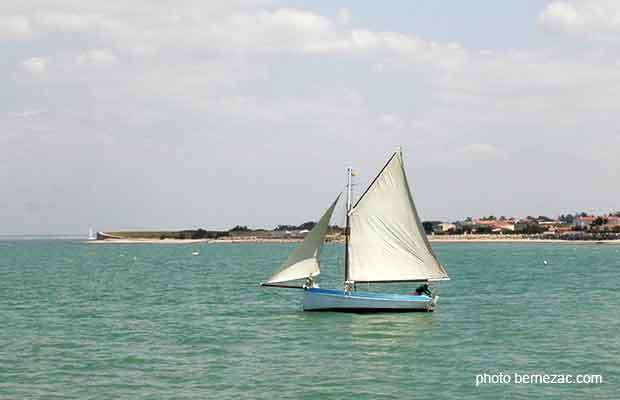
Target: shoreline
{"type": "Point", "coordinates": [533, 241]}
{"type": "Point", "coordinates": [267, 241]}
{"type": "Point", "coordinates": [147, 241]}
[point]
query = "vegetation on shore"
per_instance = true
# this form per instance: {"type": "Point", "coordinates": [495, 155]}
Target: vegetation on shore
{"type": "Point", "coordinates": [579, 226]}
{"type": "Point", "coordinates": [184, 234]}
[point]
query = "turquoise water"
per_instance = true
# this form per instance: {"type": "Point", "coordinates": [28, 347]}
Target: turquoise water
{"type": "Point", "coordinates": [153, 322]}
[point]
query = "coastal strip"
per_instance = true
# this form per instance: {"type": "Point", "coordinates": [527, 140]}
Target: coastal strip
{"type": "Point", "coordinates": [432, 239]}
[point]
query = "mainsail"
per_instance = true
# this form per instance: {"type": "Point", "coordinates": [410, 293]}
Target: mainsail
{"type": "Point", "coordinates": [387, 242]}
{"type": "Point", "coordinates": [304, 261]}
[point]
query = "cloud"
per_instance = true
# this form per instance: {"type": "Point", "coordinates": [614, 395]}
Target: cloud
{"type": "Point", "coordinates": [390, 120]}
{"type": "Point", "coordinates": [16, 26]}
{"type": "Point", "coordinates": [469, 152]}
{"type": "Point", "coordinates": [280, 30]}
{"type": "Point", "coordinates": [97, 57]}
{"type": "Point", "coordinates": [559, 14]}
{"type": "Point", "coordinates": [68, 22]}
{"type": "Point", "coordinates": [479, 149]}
{"type": "Point", "coordinates": [35, 65]}
{"type": "Point", "coordinates": [344, 16]}
{"type": "Point", "coordinates": [27, 114]}
{"type": "Point", "coordinates": [204, 80]}
{"type": "Point", "coordinates": [591, 18]}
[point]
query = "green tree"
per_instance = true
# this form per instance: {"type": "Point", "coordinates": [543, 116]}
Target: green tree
{"type": "Point", "coordinates": [240, 228]}
{"type": "Point", "coordinates": [307, 225]}
{"type": "Point", "coordinates": [199, 234]}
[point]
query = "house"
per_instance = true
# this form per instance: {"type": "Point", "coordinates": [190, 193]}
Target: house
{"type": "Point", "coordinates": [444, 228]}
{"type": "Point", "coordinates": [496, 226]}
{"type": "Point", "coordinates": [584, 222]}
{"type": "Point", "coordinates": [613, 221]}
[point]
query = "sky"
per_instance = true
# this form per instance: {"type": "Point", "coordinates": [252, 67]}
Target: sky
{"type": "Point", "coordinates": [157, 114]}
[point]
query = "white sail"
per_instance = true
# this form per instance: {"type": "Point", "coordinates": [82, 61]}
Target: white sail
{"type": "Point", "coordinates": [304, 261]}
{"type": "Point", "coordinates": [387, 241]}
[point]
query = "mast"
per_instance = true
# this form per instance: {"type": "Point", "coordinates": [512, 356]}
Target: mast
{"type": "Point", "coordinates": [346, 228]}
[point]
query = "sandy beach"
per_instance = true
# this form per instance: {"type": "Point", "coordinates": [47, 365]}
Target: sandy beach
{"type": "Point", "coordinates": [432, 239]}
{"type": "Point", "coordinates": [147, 241]}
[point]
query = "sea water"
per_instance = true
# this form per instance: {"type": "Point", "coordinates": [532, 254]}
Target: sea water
{"type": "Point", "coordinates": [81, 321]}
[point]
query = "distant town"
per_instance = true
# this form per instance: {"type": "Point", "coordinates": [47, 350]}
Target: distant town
{"type": "Point", "coordinates": [566, 226]}
{"type": "Point", "coordinates": [578, 226]}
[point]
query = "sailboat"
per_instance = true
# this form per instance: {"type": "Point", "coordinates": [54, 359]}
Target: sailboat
{"type": "Point", "coordinates": [91, 234]}
{"type": "Point", "coordinates": [384, 243]}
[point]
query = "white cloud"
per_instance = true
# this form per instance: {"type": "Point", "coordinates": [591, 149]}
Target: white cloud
{"type": "Point", "coordinates": [468, 152]}
{"type": "Point", "coordinates": [282, 30]}
{"type": "Point", "coordinates": [67, 22]}
{"type": "Point", "coordinates": [479, 148]}
{"type": "Point", "coordinates": [559, 14]}
{"type": "Point", "coordinates": [27, 113]}
{"type": "Point", "coordinates": [593, 18]}
{"type": "Point", "coordinates": [271, 78]}
{"type": "Point", "coordinates": [15, 26]}
{"type": "Point", "coordinates": [390, 120]}
{"type": "Point", "coordinates": [344, 16]}
{"type": "Point", "coordinates": [97, 57]}
{"type": "Point", "coordinates": [35, 65]}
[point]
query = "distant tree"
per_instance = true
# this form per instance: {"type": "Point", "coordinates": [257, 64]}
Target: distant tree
{"type": "Point", "coordinates": [307, 225]}
{"type": "Point", "coordinates": [335, 229]}
{"type": "Point", "coordinates": [534, 229]}
{"type": "Point", "coordinates": [502, 218]}
{"type": "Point", "coordinates": [240, 228]}
{"type": "Point", "coordinates": [616, 214]}
{"type": "Point", "coordinates": [199, 234]}
{"type": "Point", "coordinates": [530, 229]}
{"type": "Point", "coordinates": [428, 227]}
{"type": "Point", "coordinates": [483, 229]}
{"type": "Point", "coordinates": [583, 214]}
{"type": "Point", "coordinates": [468, 219]}
{"type": "Point", "coordinates": [285, 228]}
{"type": "Point", "coordinates": [599, 221]}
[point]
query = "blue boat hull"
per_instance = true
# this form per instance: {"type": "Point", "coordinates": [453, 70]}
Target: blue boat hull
{"type": "Point", "coordinates": [316, 299]}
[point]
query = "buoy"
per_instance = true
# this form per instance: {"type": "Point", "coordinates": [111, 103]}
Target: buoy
{"type": "Point", "coordinates": [195, 253]}
{"type": "Point", "coordinates": [545, 262]}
